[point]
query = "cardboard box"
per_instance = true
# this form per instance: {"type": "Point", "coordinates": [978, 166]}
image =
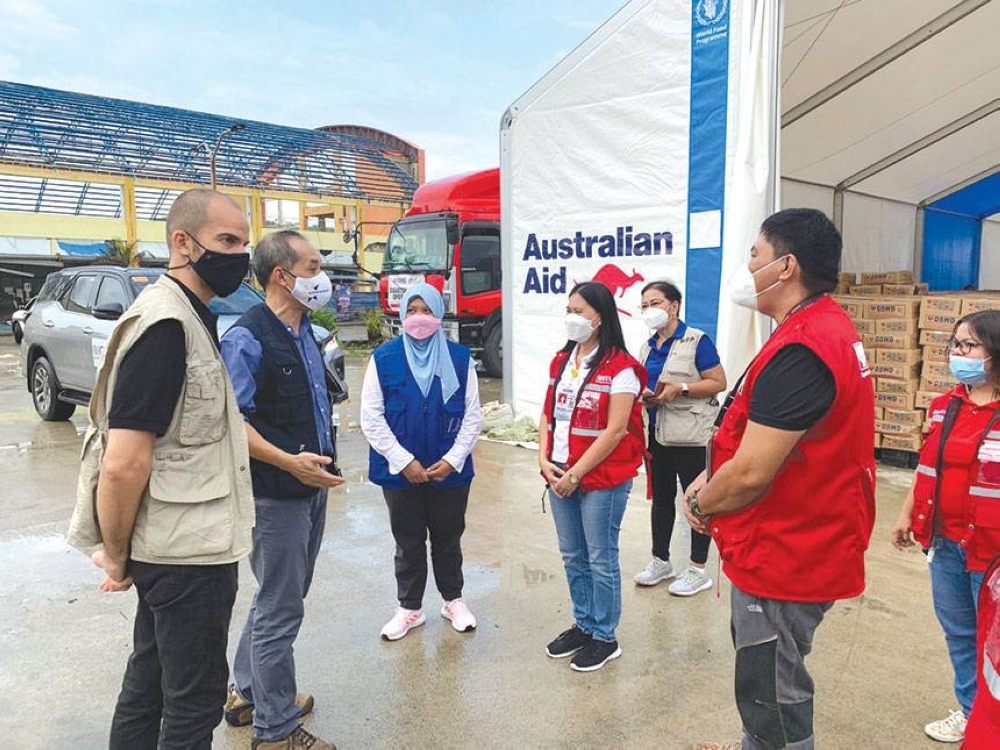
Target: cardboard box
{"type": "Point", "coordinates": [891, 428]}
{"type": "Point", "coordinates": [842, 289]}
{"type": "Point", "coordinates": [878, 440]}
{"type": "Point", "coordinates": [887, 309]}
{"type": "Point", "coordinates": [910, 356]}
{"type": "Point", "coordinates": [889, 385]}
{"type": "Point", "coordinates": [890, 341]}
{"type": "Point", "coordinates": [847, 277]}
{"type": "Point", "coordinates": [938, 321]}
{"type": "Point", "coordinates": [931, 337]}
{"type": "Point", "coordinates": [935, 370]}
{"type": "Point", "coordinates": [897, 325]}
{"type": "Point", "coordinates": [923, 288]}
{"type": "Point", "coordinates": [855, 308]}
{"type": "Point", "coordinates": [949, 304]}
{"type": "Point", "coordinates": [865, 326]}
{"type": "Point", "coordinates": [976, 304]}
{"type": "Point", "coordinates": [887, 277]}
{"type": "Point", "coordinates": [912, 443]}
{"type": "Point", "coordinates": [899, 290]}
{"type": "Point", "coordinates": [924, 398]}
{"type": "Point", "coordinates": [938, 385]}
{"type": "Point", "coordinates": [898, 401]}
{"type": "Point", "coordinates": [879, 412]}
{"type": "Point", "coordinates": [903, 373]}
{"type": "Point", "coordinates": [909, 417]}
{"type": "Point", "coordinates": [866, 290]}
{"type": "Point", "coordinates": [936, 353]}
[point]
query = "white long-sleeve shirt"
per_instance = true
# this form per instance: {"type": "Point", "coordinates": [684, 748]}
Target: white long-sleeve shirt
{"type": "Point", "coordinates": [381, 438]}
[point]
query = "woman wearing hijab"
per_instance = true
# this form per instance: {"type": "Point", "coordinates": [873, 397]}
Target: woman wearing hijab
{"type": "Point", "coordinates": [420, 413]}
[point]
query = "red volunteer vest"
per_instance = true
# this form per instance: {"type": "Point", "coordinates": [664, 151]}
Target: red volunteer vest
{"type": "Point", "coordinates": [805, 539]}
{"type": "Point", "coordinates": [590, 419]}
{"type": "Point", "coordinates": [981, 533]}
{"type": "Point", "coordinates": [983, 729]}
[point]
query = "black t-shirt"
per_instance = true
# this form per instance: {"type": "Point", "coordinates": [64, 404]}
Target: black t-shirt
{"type": "Point", "coordinates": [793, 391]}
{"type": "Point", "coordinates": [151, 373]}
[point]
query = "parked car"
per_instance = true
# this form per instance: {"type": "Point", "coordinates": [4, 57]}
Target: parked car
{"type": "Point", "coordinates": [17, 319]}
{"type": "Point", "coordinates": [74, 314]}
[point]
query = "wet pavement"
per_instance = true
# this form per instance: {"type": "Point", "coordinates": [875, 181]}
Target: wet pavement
{"type": "Point", "coordinates": [879, 661]}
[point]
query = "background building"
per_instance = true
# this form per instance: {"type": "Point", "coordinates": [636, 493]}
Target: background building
{"type": "Point", "coordinates": [85, 177]}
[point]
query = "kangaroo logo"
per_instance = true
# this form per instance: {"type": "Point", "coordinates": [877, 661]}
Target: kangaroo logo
{"type": "Point", "coordinates": [617, 281]}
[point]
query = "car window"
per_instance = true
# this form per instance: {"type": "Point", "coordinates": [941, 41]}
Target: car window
{"type": "Point", "coordinates": [82, 293]}
{"type": "Point", "coordinates": [141, 281]}
{"type": "Point", "coordinates": [53, 287]}
{"type": "Point", "coordinates": [236, 303]}
{"type": "Point", "coordinates": [112, 291]}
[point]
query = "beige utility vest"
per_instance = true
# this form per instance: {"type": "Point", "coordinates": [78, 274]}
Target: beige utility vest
{"type": "Point", "coordinates": [198, 507]}
{"type": "Point", "coordinates": [686, 421]}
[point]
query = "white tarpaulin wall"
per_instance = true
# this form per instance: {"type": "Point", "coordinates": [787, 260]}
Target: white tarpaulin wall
{"type": "Point", "coordinates": [619, 166]}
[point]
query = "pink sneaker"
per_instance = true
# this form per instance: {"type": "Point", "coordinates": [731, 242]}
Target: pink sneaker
{"type": "Point", "coordinates": [402, 623]}
{"type": "Point", "coordinates": [461, 618]}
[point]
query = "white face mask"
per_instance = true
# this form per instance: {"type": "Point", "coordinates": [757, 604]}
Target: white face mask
{"type": "Point", "coordinates": [578, 328]}
{"type": "Point", "coordinates": [655, 317]}
{"type": "Point", "coordinates": [313, 292]}
{"type": "Point", "coordinates": [743, 290]}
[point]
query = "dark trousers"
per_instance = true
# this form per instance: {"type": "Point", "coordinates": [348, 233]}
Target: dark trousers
{"type": "Point", "coordinates": [667, 464]}
{"type": "Point", "coordinates": [413, 513]}
{"type": "Point", "coordinates": [774, 692]}
{"type": "Point", "coordinates": [175, 682]}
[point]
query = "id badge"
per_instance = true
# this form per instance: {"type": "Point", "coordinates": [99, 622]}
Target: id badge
{"type": "Point", "coordinates": [989, 462]}
{"type": "Point", "coordinates": [565, 404]}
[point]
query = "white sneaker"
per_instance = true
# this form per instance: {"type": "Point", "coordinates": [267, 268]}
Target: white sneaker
{"type": "Point", "coordinates": [691, 583]}
{"type": "Point", "coordinates": [402, 623]}
{"type": "Point", "coordinates": [951, 729]}
{"type": "Point", "coordinates": [658, 570]}
{"type": "Point", "coordinates": [461, 618]}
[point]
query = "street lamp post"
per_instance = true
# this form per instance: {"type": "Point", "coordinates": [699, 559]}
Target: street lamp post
{"type": "Point", "coordinates": [214, 153]}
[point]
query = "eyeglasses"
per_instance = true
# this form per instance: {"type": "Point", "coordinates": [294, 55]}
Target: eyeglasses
{"type": "Point", "coordinates": [963, 347]}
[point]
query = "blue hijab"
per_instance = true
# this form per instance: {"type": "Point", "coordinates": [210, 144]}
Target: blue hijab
{"type": "Point", "coordinates": [429, 357]}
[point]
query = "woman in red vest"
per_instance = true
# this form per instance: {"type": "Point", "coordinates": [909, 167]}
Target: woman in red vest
{"type": "Point", "coordinates": [953, 509]}
{"type": "Point", "coordinates": [590, 448]}
{"type": "Point", "coordinates": [983, 730]}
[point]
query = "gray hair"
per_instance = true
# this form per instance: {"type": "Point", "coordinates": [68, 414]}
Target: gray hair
{"type": "Point", "coordinates": [272, 251]}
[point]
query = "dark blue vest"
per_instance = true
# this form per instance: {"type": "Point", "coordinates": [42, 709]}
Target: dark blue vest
{"type": "Point", "coordinates": [426, 427]}
{"type": "Point", "coordinates": [285, 415]}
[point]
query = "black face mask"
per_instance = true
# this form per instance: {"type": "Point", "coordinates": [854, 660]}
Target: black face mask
{"type": "Point", "coordinates": [222, 272]}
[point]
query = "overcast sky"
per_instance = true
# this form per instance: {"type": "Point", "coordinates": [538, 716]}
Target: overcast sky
{"type": "Point", "coordinates": [439, 74]}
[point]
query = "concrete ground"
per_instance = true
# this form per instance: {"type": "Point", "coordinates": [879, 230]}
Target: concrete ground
{"type": "Point", "coordinates": [879, 661]}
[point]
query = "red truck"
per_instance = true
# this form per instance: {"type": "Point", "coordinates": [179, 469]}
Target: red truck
{"type": "Point", "coordinates": [451, 239]}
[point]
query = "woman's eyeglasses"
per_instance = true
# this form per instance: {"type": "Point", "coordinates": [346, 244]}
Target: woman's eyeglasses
{"type": "Point", "coordinates": [963, 347]}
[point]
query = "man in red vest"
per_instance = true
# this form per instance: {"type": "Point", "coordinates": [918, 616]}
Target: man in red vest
{"type": "Point", "coordinates": [789, 495]}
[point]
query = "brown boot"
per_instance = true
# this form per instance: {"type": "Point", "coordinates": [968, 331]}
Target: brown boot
{"type": "Point", "coordinates": [239, 712]}
{"type": "Point", "coordinates": [300, 739]}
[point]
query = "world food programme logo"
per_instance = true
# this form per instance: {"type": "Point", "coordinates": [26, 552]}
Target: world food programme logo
{"type": "Point", "coordinates": [708, 12]}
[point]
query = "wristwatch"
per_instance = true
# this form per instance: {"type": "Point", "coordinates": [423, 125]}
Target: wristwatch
{"type": "Point", "coordinates": [684, 389]}
{"type": "Point", "coordinates": [696, 511]}
{"type": "Point", "coordinates": [573, 478]}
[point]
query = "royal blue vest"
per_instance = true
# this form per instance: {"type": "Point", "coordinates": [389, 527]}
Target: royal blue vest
{"type": "Point", "coordinates": [426, 427]}
{"type": "Point", "coordinates": [285, 415]}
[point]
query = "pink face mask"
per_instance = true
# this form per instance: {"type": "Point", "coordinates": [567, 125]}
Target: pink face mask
{"type": "Point", "coordinates": [421, 326]}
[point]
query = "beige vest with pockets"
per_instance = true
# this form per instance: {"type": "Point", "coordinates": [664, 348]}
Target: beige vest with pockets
{"type": "Point", "coordinates": [198, 507]}
{"type": "Point", "coordinates": [686, 421]}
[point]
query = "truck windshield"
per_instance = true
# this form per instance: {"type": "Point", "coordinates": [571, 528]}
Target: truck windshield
{"type": "Point", "coordinates": [417, 246]}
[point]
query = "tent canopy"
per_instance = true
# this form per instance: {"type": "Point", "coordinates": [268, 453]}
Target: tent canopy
{"type": "Point", "coordinates": [891, 98]}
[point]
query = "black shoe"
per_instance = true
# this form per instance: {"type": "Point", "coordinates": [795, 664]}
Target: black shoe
{"type": "Point", "coordinates": [568, 643]}
{"type": "Point", "coordinates": [595, 655]}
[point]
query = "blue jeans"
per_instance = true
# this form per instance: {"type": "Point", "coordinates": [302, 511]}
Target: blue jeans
{"type": "Point", "coordinates": [286, 542]}
{"type": "Point", "coordinates": [956, 597]}
{"type": "Point", "coordinates": [587, 525]}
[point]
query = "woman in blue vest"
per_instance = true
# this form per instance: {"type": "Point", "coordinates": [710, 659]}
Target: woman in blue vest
{"type": "Point", "coordinates": [420, 413]}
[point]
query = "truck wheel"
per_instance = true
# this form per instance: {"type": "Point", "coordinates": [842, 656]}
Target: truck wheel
{"type": "Point", "coordinates": [493, 352]}
{"type": "Point", "coordinates": [44, 390]}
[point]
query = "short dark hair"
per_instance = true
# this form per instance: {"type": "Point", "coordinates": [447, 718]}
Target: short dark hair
{"type": "Point", "coordinates": [814, 241]}
{"type": "Point", "coordinates": [610, 337]}
{"type": "Point", "coordinates": [667, 289]}
{"type": "Point", "coordinates": [985, 324]}
{"type": "Point", "coordinates": [272, 251]}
